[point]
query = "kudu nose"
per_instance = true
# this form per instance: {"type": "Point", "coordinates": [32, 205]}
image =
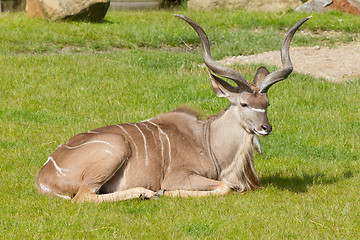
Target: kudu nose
{"type": "Point", "coordinates": [267, 128]}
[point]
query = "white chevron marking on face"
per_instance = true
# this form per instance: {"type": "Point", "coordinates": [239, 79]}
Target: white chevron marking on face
{"type": "Point", "coordinates": [257, 109]}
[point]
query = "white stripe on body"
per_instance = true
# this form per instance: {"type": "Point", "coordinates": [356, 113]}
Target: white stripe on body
{"type": "Point", "coordinates": [92, 132]}
{"type": "Point", "coordinates": [162, 148]}
{"type": "Point", "coordinates": [145, 143]}
{"type": "Point", "coordinates": [52, 153]}
{"type": "Point", "coordinates": [47, 161]}
{"type": "Point", "coordinates": [85, 143]}
{"type": "Point", "coordinates": [59, 171]}
{"type": "Point", "coordinates": [161, 141]}
{"type": "Point", "coordinates": [152, 132]}
{"type": "Point", "coordinates": [48, 190]}
{"type": "Point", "coordinates": [109, 152]}
{"type": "Point", "coordinates": [132, 140]}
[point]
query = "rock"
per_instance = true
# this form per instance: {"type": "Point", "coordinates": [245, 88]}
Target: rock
{"type": "Point", "coordinates": [314, 6]}
{"type": "Point", "coordinates": [135, 4]}
{"type": "Point", "coordinates": [350, 6]}
{"type": "Point", "coordinates": [251, 5]}
{"type": "Point", "coordinates": [92, 10]}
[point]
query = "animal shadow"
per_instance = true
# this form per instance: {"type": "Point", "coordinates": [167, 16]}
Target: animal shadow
{"type": "Point", "coordinates": [301, 184]}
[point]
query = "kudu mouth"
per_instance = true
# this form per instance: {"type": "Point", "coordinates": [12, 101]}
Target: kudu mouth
{"type": "Point", "coordinates": [262, 133]}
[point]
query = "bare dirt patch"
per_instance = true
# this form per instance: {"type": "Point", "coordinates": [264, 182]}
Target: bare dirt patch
{"type": "Point", "coordinates": [338, 64]}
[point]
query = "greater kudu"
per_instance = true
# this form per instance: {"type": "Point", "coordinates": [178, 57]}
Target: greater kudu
{"type": "Point", "coordinates": [175, 153]}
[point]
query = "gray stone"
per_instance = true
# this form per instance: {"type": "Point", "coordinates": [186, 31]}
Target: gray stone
{"type": "Point", "coordinates": [314, 6]}
{"type": "Point", "coordinates": [135, 4]}
{"type": "Point", "coordinates": [251, 5]}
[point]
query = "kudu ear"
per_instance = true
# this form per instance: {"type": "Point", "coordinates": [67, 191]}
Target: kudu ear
{"type": "Point", "coordinates": [217, 90]}
{"type": "Point", "coordinates": [261, 73]}
{"type": "Point", "coordinates": [222, 88]}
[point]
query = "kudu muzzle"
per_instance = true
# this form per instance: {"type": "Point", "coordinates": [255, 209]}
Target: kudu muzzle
{"type": "Point", "coordinates": [264, 129]}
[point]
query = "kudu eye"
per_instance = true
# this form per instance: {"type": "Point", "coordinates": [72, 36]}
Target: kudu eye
{"type": "Point", "coordinates": [243, 104]}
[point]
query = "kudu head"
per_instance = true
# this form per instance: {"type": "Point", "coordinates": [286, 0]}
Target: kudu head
{"type": "Point", "coordinates": [249, 99]}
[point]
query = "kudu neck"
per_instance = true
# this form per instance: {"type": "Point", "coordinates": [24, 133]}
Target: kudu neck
{"type": "Point", "coordinates": [227, 136]}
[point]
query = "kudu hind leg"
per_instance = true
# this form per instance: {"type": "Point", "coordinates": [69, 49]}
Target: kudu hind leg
{"type": "Point", "coordinates": [106, 162]}
{"type": "Point", "coordinates": [196, 186]}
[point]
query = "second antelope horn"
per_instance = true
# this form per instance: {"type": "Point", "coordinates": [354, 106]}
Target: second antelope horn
{"type": "Point", "coordinates": [283, 73]}
{"type": "Point", "coordinates": [215, 67]}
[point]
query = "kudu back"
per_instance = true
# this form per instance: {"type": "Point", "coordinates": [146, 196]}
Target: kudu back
{"type": "Point", "coordinates": [175, 153]}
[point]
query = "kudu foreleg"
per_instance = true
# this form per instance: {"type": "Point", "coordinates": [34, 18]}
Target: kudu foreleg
{"type": "Point", "coordinates": [88, 196]}
{"type": "Point", "coordinates": [198, 186]}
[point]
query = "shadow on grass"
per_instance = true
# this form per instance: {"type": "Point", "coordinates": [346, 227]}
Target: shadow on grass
{"type": "Point", "coordinates": [301, 184]}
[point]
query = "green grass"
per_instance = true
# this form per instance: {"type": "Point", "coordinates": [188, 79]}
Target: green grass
{"type": "Point", "coordinates": [234, 32]}
{"type": "Point", "coordinates": [132, 67]}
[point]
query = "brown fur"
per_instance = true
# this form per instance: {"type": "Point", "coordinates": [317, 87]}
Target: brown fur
{"type": "Point", "coordinates": [175, 152]}
{"type": "Point", "coordinates": [191, 111]}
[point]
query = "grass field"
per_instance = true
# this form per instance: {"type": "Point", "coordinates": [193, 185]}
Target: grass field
{"type": "Point", "coordinates": [62, 78]}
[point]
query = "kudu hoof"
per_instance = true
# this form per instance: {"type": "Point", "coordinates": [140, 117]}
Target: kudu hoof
{"type": "Point", "coordinates": [158, 194]}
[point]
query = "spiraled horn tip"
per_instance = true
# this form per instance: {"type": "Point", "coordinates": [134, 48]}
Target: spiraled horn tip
{"type": "Point", "coordinates": [179, 15]}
